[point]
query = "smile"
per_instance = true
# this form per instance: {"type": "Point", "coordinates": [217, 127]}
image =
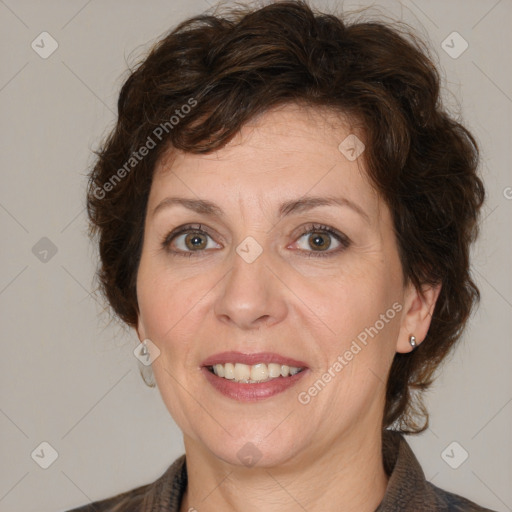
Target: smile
{"type": "Point", "coordinates": [251, 377]}
{"type": "Point", "coordinates": [259, 372]}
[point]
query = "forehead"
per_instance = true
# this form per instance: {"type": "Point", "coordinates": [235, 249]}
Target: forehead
{"type": "Point", "coordinates": [285, 153]}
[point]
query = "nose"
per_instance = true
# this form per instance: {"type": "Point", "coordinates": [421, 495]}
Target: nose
{"type": "Point", "coordinates": [252, 296]}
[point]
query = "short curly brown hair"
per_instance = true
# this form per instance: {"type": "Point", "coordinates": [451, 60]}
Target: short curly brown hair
{"type": "Point", "coordinates": [210, 75]}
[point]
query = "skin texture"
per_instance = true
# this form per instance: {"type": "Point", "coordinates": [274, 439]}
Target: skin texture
{"type": "Point", "coordinates": [324, 455]}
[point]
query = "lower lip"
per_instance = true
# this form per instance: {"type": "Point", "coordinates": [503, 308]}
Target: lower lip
{"type": "Point", "coordinates": [251, 392]}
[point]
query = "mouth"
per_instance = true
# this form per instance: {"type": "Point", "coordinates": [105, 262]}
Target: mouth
{"type": "Point", "coordinates": [247, 377]}
{"type": "Point", "coordinates": [259, 372]}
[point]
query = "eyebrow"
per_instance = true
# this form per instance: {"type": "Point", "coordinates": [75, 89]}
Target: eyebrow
{"type": "Point", "coordinates": [303, 204]}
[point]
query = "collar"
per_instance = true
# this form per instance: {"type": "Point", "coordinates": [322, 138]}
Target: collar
{"type": "Point", "coordinates": [407, 488]}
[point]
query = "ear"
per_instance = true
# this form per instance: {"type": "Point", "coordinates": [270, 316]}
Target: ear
{"type": "Point", "coordinates": [417, 314]}
{"type": "Point", "coordinates": [140, 330]}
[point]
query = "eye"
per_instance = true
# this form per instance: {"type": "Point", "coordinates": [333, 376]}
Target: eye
{"type": "Point", "coordinates": [318, 240]}
{"type": "Point", "coordinates": [191, 240]}
{"type": "Point", "coordinates": [187, 240]}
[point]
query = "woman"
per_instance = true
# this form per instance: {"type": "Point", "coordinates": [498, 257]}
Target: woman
{"type": "Point", "coordinates": [284, 214]}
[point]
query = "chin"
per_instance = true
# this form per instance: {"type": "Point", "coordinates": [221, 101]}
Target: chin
{"type": "Point", "coordinates": [259, 450]}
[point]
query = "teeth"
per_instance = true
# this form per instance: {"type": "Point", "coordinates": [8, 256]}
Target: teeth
{"type": "Point", "coordinates": [242, 372]}
{"type": "Point", "coordinates": [260, 372]}
{"type": "Point", "coordinates": [229, 371]}
{"type": "Point", "coordinates": [219, 370]}
{"type": "Point", "coordinates": [274, 370]}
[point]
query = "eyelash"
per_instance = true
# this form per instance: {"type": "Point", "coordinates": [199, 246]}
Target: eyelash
{"type": "Point", "coordinates": [310, 228]}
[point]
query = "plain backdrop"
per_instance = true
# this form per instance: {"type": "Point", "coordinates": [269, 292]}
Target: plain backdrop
{"type": "Point", "coordinates": [69, 377]}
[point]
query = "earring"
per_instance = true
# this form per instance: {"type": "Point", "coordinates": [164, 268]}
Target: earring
{"type": "Point", "coordinates": [412, 341]}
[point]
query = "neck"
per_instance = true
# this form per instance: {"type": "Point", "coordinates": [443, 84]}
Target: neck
{"type": "Point", "coordinates": [348, 476]}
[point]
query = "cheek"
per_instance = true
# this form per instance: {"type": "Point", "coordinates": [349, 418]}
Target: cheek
{"type": "Point", "coordinates": [167, 304]}
{"type": "Point", "coordinates": [363, 319]}
{"type": "Point", "coordinates": [171, 306]}
{"type": "Point", "coordinates": [362, 315]}
{"type": "Point", "coordinates": [353, 301]}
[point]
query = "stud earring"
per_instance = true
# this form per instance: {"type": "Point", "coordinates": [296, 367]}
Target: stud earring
{"type": "Point", "coordinates": [412, 341]}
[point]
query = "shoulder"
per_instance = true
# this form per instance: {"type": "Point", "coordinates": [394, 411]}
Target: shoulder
{"type": "Point", "coordinates": [165, 493]}
{"type": "Point", "coordinates": [408, 489]}
{"type": "Point", "coordinates": [130, 500]}
{"type": "Point", "coordinates": [455, 503]}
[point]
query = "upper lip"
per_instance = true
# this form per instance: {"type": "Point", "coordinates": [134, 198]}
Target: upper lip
{"type": "Point", "coordinates": [251, 359]}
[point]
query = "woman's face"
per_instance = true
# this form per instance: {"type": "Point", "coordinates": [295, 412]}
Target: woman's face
{"type": "Point", "coordinates": [264, 270]}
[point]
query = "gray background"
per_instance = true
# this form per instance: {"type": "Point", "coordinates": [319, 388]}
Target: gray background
{"type": "Point", "coordinates": [69, 377]}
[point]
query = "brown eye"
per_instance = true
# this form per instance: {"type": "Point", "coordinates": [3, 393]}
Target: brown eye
{"type": "Point", "coordinates": [317, 240]}
{"type": "Point", "coordinates": [195, 241]}
{"type": "Point", "coordinates": [188, 240]}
